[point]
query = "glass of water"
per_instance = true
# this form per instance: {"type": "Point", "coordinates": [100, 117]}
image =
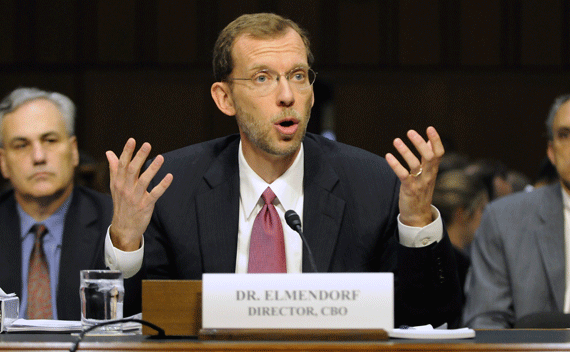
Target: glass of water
{"type": "Point", "coordinates": [102, 293]}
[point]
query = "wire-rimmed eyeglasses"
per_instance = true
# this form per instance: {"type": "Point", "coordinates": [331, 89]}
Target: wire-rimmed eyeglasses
{"type": "Point", "coordinates": [265, 81]}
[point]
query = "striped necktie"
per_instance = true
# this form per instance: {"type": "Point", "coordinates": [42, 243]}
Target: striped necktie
{"type": "Point", "coordinates": [39, 292]}
{"type": "Point", "coordinates": [267, 244]}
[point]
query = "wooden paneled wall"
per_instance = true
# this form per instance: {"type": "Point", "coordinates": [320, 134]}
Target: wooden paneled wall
{"type": "Point", "coordinates": [483, 72]}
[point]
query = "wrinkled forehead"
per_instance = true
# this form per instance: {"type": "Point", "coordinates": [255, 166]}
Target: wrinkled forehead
{"type": "Point", "coordinates": [250, 50]}
{"type": "Point", "coordinates": [33, 117]}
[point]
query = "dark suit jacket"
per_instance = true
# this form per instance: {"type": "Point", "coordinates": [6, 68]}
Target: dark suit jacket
{"type": "Point", "coordinates": [351, 205]}
{"type": "Point", "coordinates": [86, 223]}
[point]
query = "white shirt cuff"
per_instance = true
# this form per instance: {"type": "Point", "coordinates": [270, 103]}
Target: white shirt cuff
{"type": "Point", "coordinates": [416, 237]}
{"type": "Point", "coordinates": [128, 262]}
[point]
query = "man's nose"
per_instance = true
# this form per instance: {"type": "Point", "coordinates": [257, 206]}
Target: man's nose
{"type": "Point", "coordinates": [39, 153]}
{"type": "Point", "coordinates": [285, 92]}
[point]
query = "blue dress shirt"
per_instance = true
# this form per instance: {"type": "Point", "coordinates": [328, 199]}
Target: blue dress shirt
{"type": "Point", "coordinates": [52, 249]}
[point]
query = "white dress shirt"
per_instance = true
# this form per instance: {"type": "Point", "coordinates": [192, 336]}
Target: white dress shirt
{"type": "Point", "coordinates": [566, 203]}
{"type": "Point", "coordinates": [288, 189]}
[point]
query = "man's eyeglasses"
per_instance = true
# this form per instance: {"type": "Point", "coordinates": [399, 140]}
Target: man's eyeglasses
{"type": "Point", "coordinates": [265, 81]}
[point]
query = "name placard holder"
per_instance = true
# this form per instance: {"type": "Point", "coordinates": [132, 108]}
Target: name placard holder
{"type": "Point", "coordinates": [294, 334]}
{"type": "Point", "coordinates": [310, 306]}
{"type": "Point", "coordinates": [174, 305]}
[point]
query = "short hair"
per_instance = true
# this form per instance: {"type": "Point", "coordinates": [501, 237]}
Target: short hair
{"type": "Point", "coordinates": [518, 180]}
{"type": "Point", "coordinates": [455, 189]}
{"type": "Point", "coordinates": [259, 25]}
{"type": "Point", "coordinates": [561, 99]}
{"type": "Point", "coordinates": [21, 96]}
{"type": "Point", "coordinates": [486, 170]}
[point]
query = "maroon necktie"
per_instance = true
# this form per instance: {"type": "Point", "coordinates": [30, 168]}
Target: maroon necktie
{"type": "Point", "coordinates": [267, 245]}
{"type": "Point", "coordinates": [39, 292]}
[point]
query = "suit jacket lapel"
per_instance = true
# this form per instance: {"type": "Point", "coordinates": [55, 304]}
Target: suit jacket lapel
{"type": "Point", "coordinates": [322, 210]}
{"type": "Point", "coordinates": [218, 212]}
{"type": "Point", "coordinates": [550, 239]}
{"type": "Point", "coordinates": [10, 248]}
{"type": "Point", "coordinates": [79, 249]}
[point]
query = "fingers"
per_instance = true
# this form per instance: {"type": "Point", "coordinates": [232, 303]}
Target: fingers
{"type": "Point", "coordinates": [400, 171]}
{"type": "Point", "coordinates": [421, 146]}
{"type": "Point", "coordinates": [147, 176]}
{"type": "Point", "coordinates": [435, 141]}
{"type": "Point", "coordinates": [113, 163]}
{"type": "Point", "coordinates": [159, 189]}
{"type": "Point", "coordinates": [126, 168]}
{"type": "Point", "coordinates": [430, 151]}
{"type": "Point", "coordinates": [133, 205]}
{"type": "Point", "coordinates": [408, 156]}
{"type": "Point", "coordinates": [125, 157]}
{"type": "Point", "coordinates": [133, 167]}
{"type": "Point", "coordinates": [139, 160]}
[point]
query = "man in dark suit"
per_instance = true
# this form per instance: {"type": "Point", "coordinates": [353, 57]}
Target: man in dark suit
{"type": "Point", "coordinates": [349, 199]}
{"type": "Point", "coordinates": [38, 156]}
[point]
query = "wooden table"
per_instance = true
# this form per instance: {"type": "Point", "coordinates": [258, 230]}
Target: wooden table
{"type": "Point", "coordinates": [485, 340]}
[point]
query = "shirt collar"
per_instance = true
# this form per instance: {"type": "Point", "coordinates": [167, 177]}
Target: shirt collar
{"type": "Point", "coordinates": [288, 187]}
{"type": "Point", "coordinates": [565, 199]}
{"type": "Point", "coordinates": [56, 220]}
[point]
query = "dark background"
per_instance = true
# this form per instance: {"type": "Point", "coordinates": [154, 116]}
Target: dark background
{"type": "Point", "coordinates": [483, 72]}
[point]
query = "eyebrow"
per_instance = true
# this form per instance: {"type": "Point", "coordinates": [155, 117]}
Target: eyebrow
{"type": "Point", "coordinates": [258, 68]}
{"type": "Point", "coordinates": [47, 134]}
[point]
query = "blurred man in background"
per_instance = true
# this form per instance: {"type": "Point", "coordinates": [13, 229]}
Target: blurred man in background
{"type": "Point", "coordinates": [519, 256]}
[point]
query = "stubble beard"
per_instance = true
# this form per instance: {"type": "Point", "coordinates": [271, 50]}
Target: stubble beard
{"type": "Point", "coordinates": [259, 132]}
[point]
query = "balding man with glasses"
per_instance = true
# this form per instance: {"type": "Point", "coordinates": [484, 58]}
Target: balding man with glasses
{"type": "Point", "coordinates": [219, 206]}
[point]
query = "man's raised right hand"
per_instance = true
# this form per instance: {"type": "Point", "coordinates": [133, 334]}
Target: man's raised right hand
{"type": "Point", "coordinates": [132, 203]}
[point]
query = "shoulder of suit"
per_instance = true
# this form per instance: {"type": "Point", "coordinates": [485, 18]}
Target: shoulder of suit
{"type": "Point", "coordinates": [7, 202]}
{"type": "Point", "coordinates": [211, 146]}
{"type": "Point", "coordinates": [101, 199]}
{"type": "Point", "coordinates": [6, 195]}
{"type": "Point", "coordinates": [338, 149]}
{"type": "Point", "coordinates": [528, 200]}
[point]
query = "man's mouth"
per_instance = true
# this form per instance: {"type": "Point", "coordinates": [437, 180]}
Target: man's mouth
{"type": "Point", "coordinates": [287, 126]}
{"type": "Point", "coordinates": [42, 174]}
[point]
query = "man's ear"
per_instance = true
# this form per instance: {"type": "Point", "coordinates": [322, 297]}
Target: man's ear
{"type": "Point", "coordinates": [74, 150]}
{"type": "Point", "coordinates": [3, 166]}
{"type": "Point", "coordinates": [223, 98]}
{"type": "Point", "coordinates": [550, 152]}
{"type": "Point", "coordinates": [312, 97]}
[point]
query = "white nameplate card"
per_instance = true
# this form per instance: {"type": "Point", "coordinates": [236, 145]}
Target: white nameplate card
{"type": "Point", "coordinates": [298, 301]}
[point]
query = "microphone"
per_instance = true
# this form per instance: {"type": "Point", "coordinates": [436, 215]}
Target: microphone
{"type": "Point", "coordinates": [294, 222]}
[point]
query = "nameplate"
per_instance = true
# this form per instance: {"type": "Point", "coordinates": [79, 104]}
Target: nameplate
{"type": "Point", "coordinates": [298, 301]}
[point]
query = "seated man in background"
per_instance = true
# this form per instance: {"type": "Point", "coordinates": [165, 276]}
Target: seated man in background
{"type": "Point", "coordinates": [460, 200]}
{"type": "Point", "coordinates": [519, 255]}
{"type": "Point", "coordinates": [216, 196]}
{"type": "Point", "coordinates": [493, 173]}
{"type": "Point", "coordinates": [50, 229]}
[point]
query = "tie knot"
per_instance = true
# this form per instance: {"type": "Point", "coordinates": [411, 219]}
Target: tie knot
{"type": "Point", "coordinates": [39, 230]}
{"type": "Point", "coordinates": [268, 196]}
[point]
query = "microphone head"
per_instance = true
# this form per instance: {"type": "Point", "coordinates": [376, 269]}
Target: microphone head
{"type": "Point", "coordinates": [293, 219]}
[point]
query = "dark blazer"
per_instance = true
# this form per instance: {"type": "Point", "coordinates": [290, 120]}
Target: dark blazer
{"type": "Point", "coordinates": [86, 223]}
{"type": "Point", "coordinates": [350, 210]}
{"type": "Point", "coordinates": [518, 264]}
